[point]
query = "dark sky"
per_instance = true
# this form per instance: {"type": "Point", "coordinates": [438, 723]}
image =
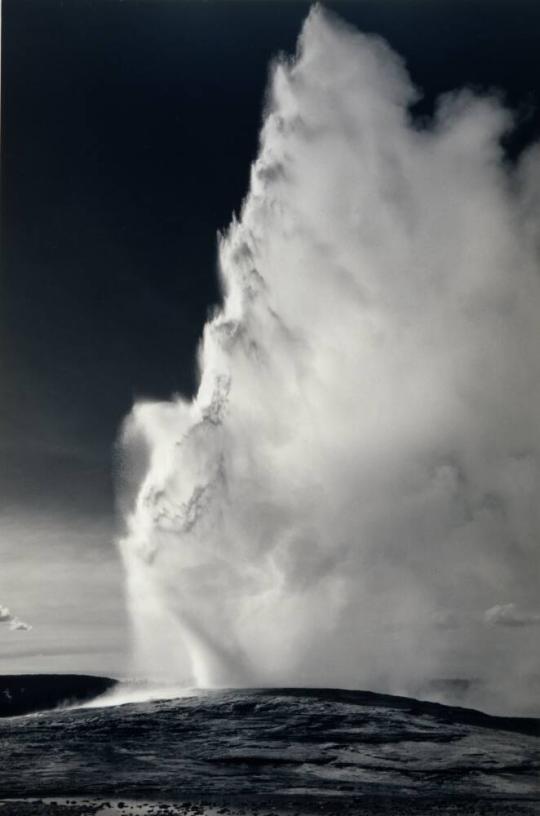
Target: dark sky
{"type": "Point", "coordinates": [128, 128]}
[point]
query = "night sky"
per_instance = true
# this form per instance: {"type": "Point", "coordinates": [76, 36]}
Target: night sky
{"type": "Point", "coordinates": [128, 129]}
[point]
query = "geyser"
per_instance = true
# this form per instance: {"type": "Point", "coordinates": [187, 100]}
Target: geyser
{"type": "Point", "coordinates": [356, 481]}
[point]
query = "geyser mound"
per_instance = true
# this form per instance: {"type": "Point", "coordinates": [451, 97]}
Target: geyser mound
{"type": "Point", "coordinates": [355, 482]}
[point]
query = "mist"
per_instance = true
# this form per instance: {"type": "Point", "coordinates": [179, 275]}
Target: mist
{"type": "Point", "coordinates": [353, 490]}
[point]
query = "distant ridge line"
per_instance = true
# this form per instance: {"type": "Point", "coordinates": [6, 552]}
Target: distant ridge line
{"type": "Point", "coordinates": [31, 693]}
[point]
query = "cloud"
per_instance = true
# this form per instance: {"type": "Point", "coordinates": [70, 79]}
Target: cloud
{"type": "Point", "coordinates": [510, 615]}
{"type": "Point", "coordinates": [14, 624]}
{"type": "Point", "coordinates": [364, 446]}
{"type": "Point", "coordinates": [18, 625]}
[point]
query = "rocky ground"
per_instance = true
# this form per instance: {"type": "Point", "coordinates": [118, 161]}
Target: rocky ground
{"type": "Point", "coordinates": [272, 752]}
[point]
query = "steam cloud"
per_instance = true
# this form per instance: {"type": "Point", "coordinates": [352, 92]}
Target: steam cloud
{"type": "Point", "coordinates": [357, 479]}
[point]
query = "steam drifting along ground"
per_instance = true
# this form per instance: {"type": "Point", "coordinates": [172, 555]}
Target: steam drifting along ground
{"type": "Point", "coordinates": [352, 494]}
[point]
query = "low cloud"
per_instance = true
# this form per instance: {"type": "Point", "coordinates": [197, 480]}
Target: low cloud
{"type": "Point", "coordinates": [510, 615]}
{"type": "Point", "coordinates": [19, 625]}
{"type": "Point", "coordinates": [5, 614]}
{"type": "Point", "coordinates": [14, 624]}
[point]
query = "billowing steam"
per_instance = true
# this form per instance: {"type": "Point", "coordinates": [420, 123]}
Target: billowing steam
{"type": "Point", "coordinates": [358, 478]}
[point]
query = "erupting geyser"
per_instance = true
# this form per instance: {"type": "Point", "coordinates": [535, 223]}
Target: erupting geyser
{"type": "Point", "coordinates": [355, 484]}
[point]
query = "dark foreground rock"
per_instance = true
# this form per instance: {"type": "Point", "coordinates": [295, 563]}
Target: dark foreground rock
{"type": "Point", "coordinates": [379, 806]}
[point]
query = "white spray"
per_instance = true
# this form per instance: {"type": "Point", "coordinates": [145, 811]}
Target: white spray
{"type": "Point", "coordinates": [357, 479]}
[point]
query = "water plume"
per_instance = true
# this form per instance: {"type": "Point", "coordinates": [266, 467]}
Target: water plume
{"type": "Point", "coordinates": [355, 482]}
